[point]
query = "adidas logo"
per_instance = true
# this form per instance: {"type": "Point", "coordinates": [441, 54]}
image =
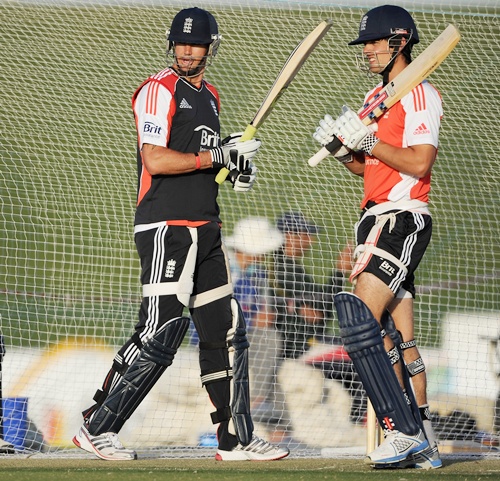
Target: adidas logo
{"type": "Point", "coordinates": [421, 129]}
{"type": "Point", "coordinates": [184, 104]}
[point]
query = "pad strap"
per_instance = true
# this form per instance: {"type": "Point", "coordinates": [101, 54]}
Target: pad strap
{"type": "Point", "coordinates": [408, 344]}
{"type": "Point", "coordinates": [221, 415]}
{"type": "Point", "coordinates": [393, 355]}
{"type": "Point", "coordinates": [416, 367]}
{"type": "Point", "coordinates": [100, 396]}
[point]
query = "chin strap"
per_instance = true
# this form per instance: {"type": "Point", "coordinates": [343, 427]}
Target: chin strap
{"type": "Point", "coordinates": [385, 73]}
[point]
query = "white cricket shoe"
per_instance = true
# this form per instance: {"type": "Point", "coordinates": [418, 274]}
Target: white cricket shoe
{"type": "Point", "coordinates": [257, 450]}
{"type": "Point", "coordinates": [397, 447]}
{"type": "Point", "coordinates": [106, 446]}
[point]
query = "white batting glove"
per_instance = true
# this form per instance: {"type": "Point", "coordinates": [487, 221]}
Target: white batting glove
{"type": "Point", "coordinates": [234, 151]}
{"type": "Point", "coordinates": [353, 133]}
{"type": "Point", "coordinates": [324, 135]}
{"type": "Point", "coordinates": [244, 181]}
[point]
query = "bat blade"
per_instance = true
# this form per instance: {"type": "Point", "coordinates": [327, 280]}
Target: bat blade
{"type": "Point", "coordinates": [290, 70]}
{"type": "Point", "coordinates": [283, 80]}
{"type": "Point", "coordinates": [417, 71]}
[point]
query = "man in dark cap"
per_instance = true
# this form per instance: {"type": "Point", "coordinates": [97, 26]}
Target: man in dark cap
{"type": "Point", "coordinates": [303, 305]}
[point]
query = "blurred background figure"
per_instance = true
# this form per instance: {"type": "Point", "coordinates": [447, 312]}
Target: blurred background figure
{"type": "Point", "coordinates": [304, 306]}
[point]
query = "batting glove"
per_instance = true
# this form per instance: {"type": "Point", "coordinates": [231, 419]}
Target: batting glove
{"type": "Point", "coordinates": [244, 180]}
{"type": "Point", "coordinates": [353, 133]}
{"type": "Point", "coordinates": [235, 152]}
{"type": "Point", "coordinates": [324, 135]}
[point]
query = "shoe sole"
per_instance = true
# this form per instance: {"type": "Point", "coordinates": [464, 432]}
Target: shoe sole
{"type": "Point", "coordinates": [411, 464]}
{"type": "Point", "coordinates": [241, 456]}
{"type": "Point", "coordinates": [426, 465]}
{"type": "Point", "coordinates": [86, 445]}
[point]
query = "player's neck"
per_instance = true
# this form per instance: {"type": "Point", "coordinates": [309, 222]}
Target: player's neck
{"type": "Point", "coordinates": [195, 81]}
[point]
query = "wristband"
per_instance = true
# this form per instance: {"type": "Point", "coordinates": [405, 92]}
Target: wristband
{"type": "Point", "coordinates": [369, 142]}
{"type": "Point", "coordinates": [198, 160]}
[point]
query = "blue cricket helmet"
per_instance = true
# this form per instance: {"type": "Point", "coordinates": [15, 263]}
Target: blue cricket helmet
{"type": "Point", "coordinates": [384, 22]}
{"type": "Point", "coordinates": [194, 26]}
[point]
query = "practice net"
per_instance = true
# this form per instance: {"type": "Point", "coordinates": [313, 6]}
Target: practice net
{"type": "Point", "coordinates": [69, 276]}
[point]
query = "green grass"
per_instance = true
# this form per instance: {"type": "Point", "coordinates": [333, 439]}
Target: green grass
{"type": "Point", "coordinates": [208, 470]}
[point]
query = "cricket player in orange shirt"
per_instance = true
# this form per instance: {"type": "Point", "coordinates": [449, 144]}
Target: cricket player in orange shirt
{"type": "Point", "coordinates": [395, 156]}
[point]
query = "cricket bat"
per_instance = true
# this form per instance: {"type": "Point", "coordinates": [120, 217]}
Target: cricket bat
{"type": "Point", "coordinates": [417, 71]}
{"type": "Point", "coordinates": [374, 434]}
{"type": "Point", "coordinates": [283, 80]}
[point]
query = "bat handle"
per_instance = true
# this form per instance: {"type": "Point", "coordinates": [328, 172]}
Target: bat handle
{"type": "Point", "coordinates": [331, 148]}
{"type": "Point", "coordinates": [247, 135]}
{"type": "Point", "coordinates": [222, 175]}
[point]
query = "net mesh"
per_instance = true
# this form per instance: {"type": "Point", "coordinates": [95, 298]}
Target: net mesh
{"type": "Point", "coordinates": [70, 274]}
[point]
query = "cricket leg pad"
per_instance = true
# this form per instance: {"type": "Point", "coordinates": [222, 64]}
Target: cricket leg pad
{"type": "Point", "coordinates": [363, 342]}
{"type": "Point", "coordinates": [120, 365]}
{"type": "Point", "coordinates": [240, 399]}
{"type": "Point", "coordinates": [233, 361]}
{"type": "Point", "coordinates": [156, 355]}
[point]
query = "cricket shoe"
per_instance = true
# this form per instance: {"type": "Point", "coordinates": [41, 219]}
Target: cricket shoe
{"type": "Point", "coordinates": [396, 447]}
{"type": "Point", "coordinates": [106, 446]}
{"type": "Point", "coordinates": [257, 450]}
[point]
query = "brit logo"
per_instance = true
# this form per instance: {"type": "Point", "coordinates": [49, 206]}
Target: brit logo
{"type": "Point", "coordinates": [209, 138]}
{"type": "Point", "coordinates": [188, 25]}
{"type": "Point", "coordinates": [151, 128]}
{"type": "Point", "coordinates": [169, 271]}
{"type": "Point", "coordinates": [184, 104]}
{"type": "Point", "coordinates": [387, 268]}
{"type": "Point", "coordinates": [421, 130]}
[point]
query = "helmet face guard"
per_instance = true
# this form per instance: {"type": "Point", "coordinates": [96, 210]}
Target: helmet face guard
{"type": "Point", "coordinates": [194, 26]}
{"type": "Point", "coordinates": [393, 48]}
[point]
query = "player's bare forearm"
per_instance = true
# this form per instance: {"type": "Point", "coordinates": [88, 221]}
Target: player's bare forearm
{"type": "Point", "coordinates": [160, 160]}
{"type": "Point", "coordinates": [357, 166]}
